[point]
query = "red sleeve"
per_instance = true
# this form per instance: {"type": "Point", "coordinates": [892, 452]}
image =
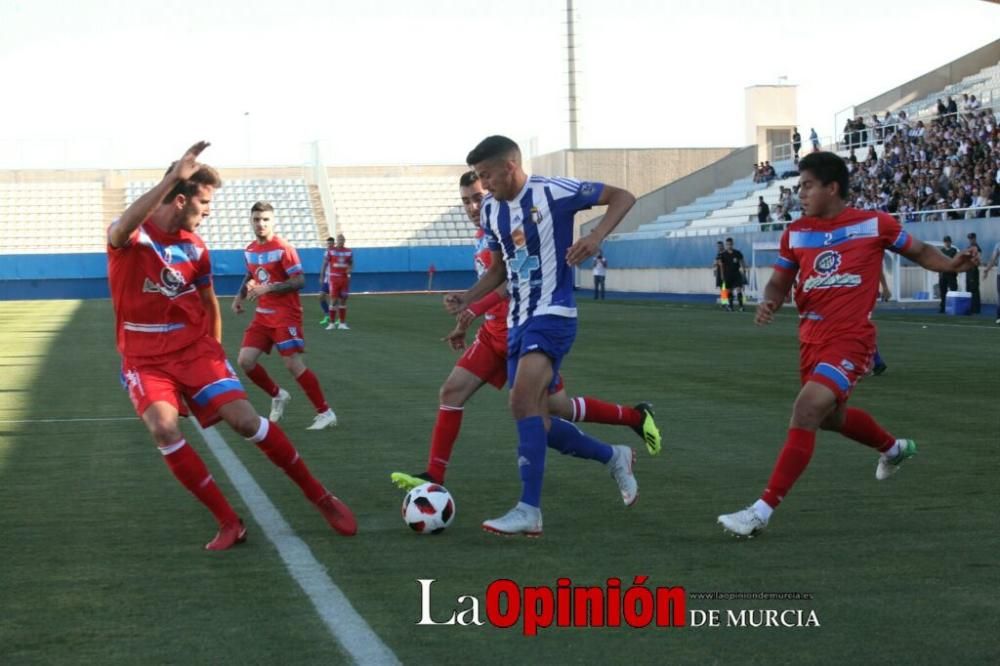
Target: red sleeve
{"type": "Point", "coordinates": [786, 258]}
{"type": "Point", "coordinates": [203, 278]}
{"type": "Point", "coordinates": [892, 235]}
{"type": "Point", "coordinates": [290, 261]}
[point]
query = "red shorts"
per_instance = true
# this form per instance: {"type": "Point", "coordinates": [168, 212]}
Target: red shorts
{"type": "Point", "coordinates": [197, 377]}
{"type": "Point", "coordinates": [288, 339]}
{"type": "Point", "coordinates": [486, 358]}
{"type": "Point", "coordinates": [340, 287]}
{"type": "Point", "coordinates": [838, 366]}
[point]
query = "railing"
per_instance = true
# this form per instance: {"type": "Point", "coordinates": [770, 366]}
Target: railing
{"type": "Point", "coordinates": [874, 135]}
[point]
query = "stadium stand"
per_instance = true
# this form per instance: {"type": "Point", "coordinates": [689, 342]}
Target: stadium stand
{"type": "Point", "coordinates": [229, 226]}
{"type": "Point", "coordinates": [51, 217]}
{"type": "Point", "coordinates": [415, 210]}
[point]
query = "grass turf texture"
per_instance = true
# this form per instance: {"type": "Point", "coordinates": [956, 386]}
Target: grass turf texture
{"type": "Point", "coordinates": [100, 556]}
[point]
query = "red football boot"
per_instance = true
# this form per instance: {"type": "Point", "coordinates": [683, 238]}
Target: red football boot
{"type": "Point", "coordinates": [230, 534]}
{"type": "Point", "coordinates": [338, 515]}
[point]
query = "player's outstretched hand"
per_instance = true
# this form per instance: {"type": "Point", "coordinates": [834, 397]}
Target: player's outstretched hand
{"type": "Point", "coordinates": [765, 313]}
{"type": "Point", "coordinates": [456, 339]}
{"type": "Point", "coordinates": [454, 303]}
{"type": "Point", "coordinates": [582, 250]}
{"type": "Point", "coordinates": [238, 305]}
{"type": "Point", "coordinates": [186, 166]}
{"type": "Point", "coordinates": [965, 260]}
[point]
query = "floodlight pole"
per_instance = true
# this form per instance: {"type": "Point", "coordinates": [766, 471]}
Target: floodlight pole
{"type": "Point", "coordinates": [571, 52]}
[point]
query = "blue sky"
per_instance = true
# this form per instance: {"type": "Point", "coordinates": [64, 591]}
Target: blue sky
{"type": "Point", "coordinates": [132, 83]}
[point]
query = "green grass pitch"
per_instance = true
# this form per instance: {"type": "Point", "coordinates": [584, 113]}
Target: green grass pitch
{"type": "Point", "coordinates": [100, 558]}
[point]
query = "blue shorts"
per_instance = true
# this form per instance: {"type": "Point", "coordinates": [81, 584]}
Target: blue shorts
{"type": "Point", "coordinates": [550, 334]}
{"type": "Point", "coordinates": [324, 287]}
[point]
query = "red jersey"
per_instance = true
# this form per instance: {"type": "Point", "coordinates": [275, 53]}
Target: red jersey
{"type": "Point", "coordinates": [154, 281]}
{"type": "Point", "coordinates": [838, 263]}
{"type": "Point", "coordinates": [496, 317]}
{"type": "Point", "coordinates": [339, 261]}
{"type": "Point", "coordinates": [270, 262]}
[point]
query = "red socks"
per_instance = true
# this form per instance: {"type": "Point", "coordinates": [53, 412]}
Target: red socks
{"type": "Point", "coordinates": [861, 427]}
{"type": "Point", "coordinates": [310, 384]}
{"type": "Point", "coordinates": [274, 443]}
{"type": "Point", "coordinates": [792, 461]}
{"type": "Point", "coordinates": [598, 411]}
{"type": "Point", "coordinates": [258, 375]}
{"type": "Point", "coordinates": [190, 470]}
{"type": "Point", "coordinates": [446, 427]}
{"type": "Point", "coordinates": [343, 314]}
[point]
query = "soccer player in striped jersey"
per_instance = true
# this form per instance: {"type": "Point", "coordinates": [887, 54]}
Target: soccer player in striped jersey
{"type": "Point", "coordinates": [528, 224]}
{"type": "Point", "coordinates": [485, 362]}
{"type": "Point", "coordinates": [274, 278]}
{"type": "Point", "coordinates": [833, 257]}
{"type": "Point", "coordinates": [169, 333]}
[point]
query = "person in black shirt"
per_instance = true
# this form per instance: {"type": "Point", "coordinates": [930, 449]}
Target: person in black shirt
{"type": "Point", "coordinates": [717, 264]}
{"type": "Point", "coordinates": [763, 211]}
{"type": "Point", "coordinates": [972, 277]}
{"type": "Point", "coordinates": [733, 272]}
{"type": "Point", "coordinates": [947, 281]}
{"type": "Point", "coordinates": [796, 142]}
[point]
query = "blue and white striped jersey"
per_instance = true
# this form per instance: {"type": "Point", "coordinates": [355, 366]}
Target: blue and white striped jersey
{"type": "Point", "coordinates": [533, 232]}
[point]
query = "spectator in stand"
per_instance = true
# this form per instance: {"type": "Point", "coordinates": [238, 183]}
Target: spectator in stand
{"type": "Point", "coordinates": [796, 142]}
{"type": "Point", "coordinates": [763, 211]}
{"type": "Point", "coordinates": [972, 277]}
{"type": "Point", "coordinates": [814, 139]}
{"type": "Point", "coordinates": [952, 106]}
{"type": "Point", "coordinates": [974, 103]}
{"type": "Point", "coordinates": [947, 281]}
{"type": "Point", "coordinates": [942, 108]}
{"type": "Point", "coordinates": [757, 173]}
{"type": "Point", "coordinates": [769, 172]}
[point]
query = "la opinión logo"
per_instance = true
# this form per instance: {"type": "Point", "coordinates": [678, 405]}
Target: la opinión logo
{"type": "Point", "coordinates": [565, 605]}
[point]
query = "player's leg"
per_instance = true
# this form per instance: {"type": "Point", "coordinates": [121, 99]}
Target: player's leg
{"type": "Point", "coordinates": [324, 303]}
{"type": "Point", "coordinates": [815, 402]}
{"type": "Point", "coordinates": [592, 410]}
{"type": "Point", "coordinates": [334, 304]}
{"type": "Point", "coordinates": [528, 404]}
{"type": "Point", "coordinates": [307, 379]}
{"type": "Point", "coordinates": [259, 340]}
{"type": "Point", "coordinates": [343, 307]}
{"type": "Point", "coordinates": [878, 363]}
{"type": "Point", "coordinates": [274, 443]}
{"type": "Point", "coordinates": [460, 385]}
{"type": "Point", "coordinates": [160, 418]}
{"type": "Point", "coordinates": [859, 425]}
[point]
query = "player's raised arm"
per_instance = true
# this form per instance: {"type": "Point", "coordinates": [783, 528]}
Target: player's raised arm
{"type": "Point", "coordinates": [619, 202]}
{"type": "Point", "coordinates": [142, 207]}
{"type": "Point", "coordinates": [933, 259]}
{"type": "Point", "coordinates": [491, 279]}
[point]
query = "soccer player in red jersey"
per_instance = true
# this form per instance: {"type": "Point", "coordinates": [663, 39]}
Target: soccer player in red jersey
{"type": "Point", "coordinates": [169, 332]}
{"type": "Point", "coordinates": [833, 256]}
{"type": "Point", "coordinates": [274, 278]}
{"type": "Point", "coordinates": [485, 362]}
{"type": "Point", "coordinates": [338, 264]}
{"type": "Point", "coordinates": [324, 285]}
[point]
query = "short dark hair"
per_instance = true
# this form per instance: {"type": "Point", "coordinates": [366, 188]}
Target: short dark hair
{"type": "Point", "coordinates": [205, 176]}
{"type": "Point", "coordinates": [491, 148]}
{"type": "Point", "coordinates": [828, 168]}
{"type": "Point", "coordinates": [331, 239]}
{"type": "Point", "coordinates": [729, 240]}
{"type": "Point", "coordinates": [261, 206]}
{"type": "Point", "coordinates": [468, 178]}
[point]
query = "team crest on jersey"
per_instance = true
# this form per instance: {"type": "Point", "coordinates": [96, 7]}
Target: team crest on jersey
{"type": "Point", "coordinates": [536, 215]}
{"type": "Point", "coordinates": [262, 275]}
{"type": "Point", "coordinates": [517, 236]}
{"type": "Point", "coordinates": [847, 365]}
{"type": "Point", "coordinates": [827, 262]}
{"type": "Point", "coordinates": [586, 189]}
{"type": "Point", "coordinates": [293, 331]}
{"type": "Point", "coordinates": [171, 283]}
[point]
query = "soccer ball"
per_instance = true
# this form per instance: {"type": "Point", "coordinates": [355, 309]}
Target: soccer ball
{"type": "Point", "coordinates": [428, 508]}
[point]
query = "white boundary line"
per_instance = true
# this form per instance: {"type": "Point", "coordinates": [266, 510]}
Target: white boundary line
{"type": "Point", "coordinates": [350, 630]}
